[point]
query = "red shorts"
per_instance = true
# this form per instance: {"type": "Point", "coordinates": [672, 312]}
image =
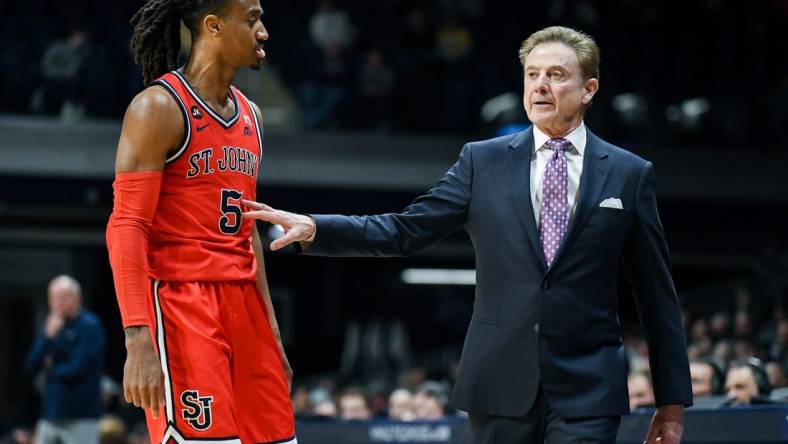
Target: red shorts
{"type": "Point", "coordinates": [223, 375]}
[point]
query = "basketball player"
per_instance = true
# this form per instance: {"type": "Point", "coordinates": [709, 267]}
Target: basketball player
{"type": "Point", "coordinates": [204, 357]}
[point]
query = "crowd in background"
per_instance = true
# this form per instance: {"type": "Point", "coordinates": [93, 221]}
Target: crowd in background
{"type": "Point", "coordinates": [439, 65]}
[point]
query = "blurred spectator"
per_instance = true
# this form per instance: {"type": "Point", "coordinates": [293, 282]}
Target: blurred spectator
{"type": "Point", "coordinates": [453, 41]}
{"type": "Point", "coordinates": [637, 353]}
{"type": "Point", "coordinates": [745, 349]}
{"type": "Point", "coordinates": [301, 404]}
{"type": "Point", "coordinates": [353, 405]}
{"type": "Point", "coordinates": [779, 349]}
{"type": "Point", "coordinates": [21, 436]}
{"type": "Point", "coordinates": [62, 84]}
{"type": "Point", "coordinates": [776, 375]}
{"type": "Point", "coordinates": [139, 434]}
{"type": "Point", "coordinates": [641, 394]}
{"type": "Point", "coordinates": [112, 430]}
{"type": "Point", "coordinates": [114, 402]}
{"type": "Point", "coordinates": [401, 406]}
{"type": "Point", "coordinates": [69, 356]}
{"type": "Point", "coordinates": [723, 352]}
{"type": "Point", "coordinates": [720, 325]}
{"type": "Point", "coordinates": [700, 330]}
{"type": "Point", "coordinates": [430, 401]}
{"type": "Point", "coordinates": [330, 26]}
{"type": "Point", "coordinates": [412, 379]}
{"type": "Point", "coordinates": [322, 403]}
{"type": "Point", "coordinates": [325, 90]}
{"type": "Point", "coordinates": [707, 378]}
{"type": "Point", "coordinates": [375, 85]}
{"type": "Point", "coordinates": [747, 383]}
{"type": "Point", "coordinates": [742, 326]}
{"type": "Point", "coordinates": [454, 44]}
{"type": "Point", "coordinates": [325, 409]}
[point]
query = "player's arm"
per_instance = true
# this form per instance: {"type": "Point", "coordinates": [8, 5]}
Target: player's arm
{"type": "Point", "coordinates": [152, 127]}
{"type": "Point", "coordinates": [262, 285]}
{"type": "Point", "coordinates": [262, 280]}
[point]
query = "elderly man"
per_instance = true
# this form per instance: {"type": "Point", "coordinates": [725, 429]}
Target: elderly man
{"type": "Point", "coordinates": [70, 353]}
{"type": "Point", "coordinates": [553, 212]}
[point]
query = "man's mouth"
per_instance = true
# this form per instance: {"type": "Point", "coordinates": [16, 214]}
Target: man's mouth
{"type": "Point", "coordinates": [260, 52]}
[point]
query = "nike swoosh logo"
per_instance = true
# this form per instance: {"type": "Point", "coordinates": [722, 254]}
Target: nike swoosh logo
{"type": "Point", "coordinates": [200, 128]}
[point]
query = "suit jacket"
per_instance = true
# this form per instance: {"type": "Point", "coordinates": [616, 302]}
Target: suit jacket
{"type": "Point", "coordinates": [556, 326]}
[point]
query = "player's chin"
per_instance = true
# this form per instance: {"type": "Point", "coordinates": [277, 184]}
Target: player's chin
{"type": "Point", "coordinates": [256, 63]}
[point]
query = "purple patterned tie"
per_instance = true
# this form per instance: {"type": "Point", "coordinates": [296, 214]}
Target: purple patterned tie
{"type": "Point", "coordinates": [554, 217]}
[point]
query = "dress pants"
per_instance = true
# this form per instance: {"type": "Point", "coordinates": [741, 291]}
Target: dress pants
{"type": "Point", "coordinates": [542, 426]}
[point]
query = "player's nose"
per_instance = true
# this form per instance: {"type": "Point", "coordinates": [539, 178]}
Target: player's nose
{"type": "Point", "coordinates": [262, 35]}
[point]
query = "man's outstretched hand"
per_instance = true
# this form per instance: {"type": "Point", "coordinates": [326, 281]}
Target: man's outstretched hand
{"type": "Point", "coordinates": [297, 227]}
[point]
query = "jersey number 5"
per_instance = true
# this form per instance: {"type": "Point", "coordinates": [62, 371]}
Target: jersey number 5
{"type": "Point", "coordinates": [230, 222]}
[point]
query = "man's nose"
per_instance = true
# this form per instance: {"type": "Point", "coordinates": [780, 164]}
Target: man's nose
{"type": "Point", "coordinates": [542, 82]}
{"type": "Point", "coordinates": [262, 35]}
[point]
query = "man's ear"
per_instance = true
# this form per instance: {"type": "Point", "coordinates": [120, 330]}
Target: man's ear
{"type": "Point", "coordinates": [592, 86]}
{"type": "Point", "coordinates": [212, 24]}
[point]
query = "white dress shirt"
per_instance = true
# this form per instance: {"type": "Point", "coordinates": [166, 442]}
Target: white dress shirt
{"type": "Point", "coordinates": [574, 163]}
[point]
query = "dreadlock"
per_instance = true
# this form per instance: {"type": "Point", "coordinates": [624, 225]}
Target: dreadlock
{"type": "Point", "coordinates": [156, 42]}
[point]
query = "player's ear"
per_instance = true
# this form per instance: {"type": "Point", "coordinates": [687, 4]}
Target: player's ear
{"type": "Point", "coordinates": [213, 24]}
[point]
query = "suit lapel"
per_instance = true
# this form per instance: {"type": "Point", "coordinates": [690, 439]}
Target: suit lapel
{"type": "Point", "coordinates": [595, 170]}
{"type": "Point", "coordinates": [518, 170]}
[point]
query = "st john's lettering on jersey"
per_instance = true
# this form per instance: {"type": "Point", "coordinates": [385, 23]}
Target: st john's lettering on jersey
{"type": "Point", "coordinates": [231, 158]}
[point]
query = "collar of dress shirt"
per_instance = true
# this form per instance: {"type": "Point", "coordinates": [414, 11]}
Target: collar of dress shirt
{"type": "Point", "coordinates": [577, 137]}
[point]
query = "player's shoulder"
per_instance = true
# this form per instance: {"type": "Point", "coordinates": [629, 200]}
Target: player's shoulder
{"type": "Point", "coordinates": [153, 99]}
{"type": "Point", "coordinates": [155, 110]}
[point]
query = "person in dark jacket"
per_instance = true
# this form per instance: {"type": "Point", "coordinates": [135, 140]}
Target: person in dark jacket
{"type": "Point", "coordinates": [68, 358]}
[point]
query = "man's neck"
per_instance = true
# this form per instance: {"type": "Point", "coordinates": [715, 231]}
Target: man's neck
{"type": "Point", "coordinates": [560, 132]}
{"type": "Point", "coordinates": [211, 80]}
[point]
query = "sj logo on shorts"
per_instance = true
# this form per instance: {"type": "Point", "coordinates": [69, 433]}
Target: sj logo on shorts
{"type": "Point", "coordinates": [198, 409]}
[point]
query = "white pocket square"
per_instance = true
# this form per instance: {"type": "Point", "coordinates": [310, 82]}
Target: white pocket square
{"type": "Point", "coordinates": [612, 202]}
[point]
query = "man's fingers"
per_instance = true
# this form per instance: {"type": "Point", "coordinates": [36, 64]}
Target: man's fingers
{"type": "Point", "coordinates": [154, 410]}
{"type": "Point", "coordinates": [155, 398]}
{"type": "Point", "coordinates": [268, 216]}
{"type": "Point", "coordinates": [256, 205]}
{"type": "Point", "coordinates": [127, 394]}
{"type": "Point", "coordinates": [145, 398]}
{"type": "Point", "coordinates": [285, 240]}
{"type": "Point", "coordinates": [135, 398]}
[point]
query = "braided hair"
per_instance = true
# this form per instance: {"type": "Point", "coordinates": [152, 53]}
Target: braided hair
{"type": "Point", "coordinates": [156, 42]}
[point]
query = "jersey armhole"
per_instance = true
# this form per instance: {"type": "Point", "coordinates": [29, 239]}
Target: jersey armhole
{"type": "Point", "coordinates": [187, 129]}
{"type": "Point", "coordinates": [257, 125]}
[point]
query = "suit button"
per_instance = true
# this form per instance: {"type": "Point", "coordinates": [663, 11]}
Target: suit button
{"type": "Point", "coordinates": [536, 327]}
{"type": "Point", "coordinates": [545, 285]}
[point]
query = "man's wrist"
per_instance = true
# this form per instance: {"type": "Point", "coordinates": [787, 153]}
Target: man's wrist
{"type": "Point", "coordinates": [136, 334]}
{"type": "Point", "coordinates": [314, 230]}
{"type": "Point", "coordinates": [673, 412]}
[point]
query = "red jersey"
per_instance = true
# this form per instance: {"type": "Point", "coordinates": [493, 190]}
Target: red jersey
{"type": "Point", "coordinates": [197, 232]}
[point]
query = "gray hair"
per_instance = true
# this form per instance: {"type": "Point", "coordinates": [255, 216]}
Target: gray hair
{"type": "Point", "coordinates": [69, 282]}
